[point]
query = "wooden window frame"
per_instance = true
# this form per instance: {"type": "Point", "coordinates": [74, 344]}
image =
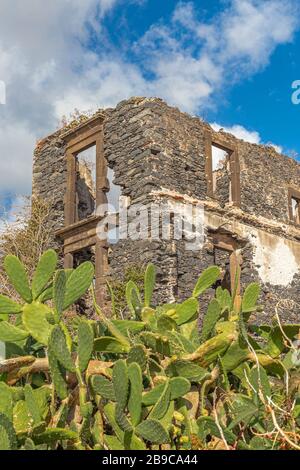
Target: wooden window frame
{"type": "Point", "coordinates": [214, 141]}
{"type": "Point", "coordinates": [78, 235]}
{"type": "Point", "coordinates": [225, 242]}
{"type": "Point", "coordinates": [293, 194]}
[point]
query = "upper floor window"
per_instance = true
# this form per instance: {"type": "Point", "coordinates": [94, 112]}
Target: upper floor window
{"type": "Point", "coordinates": [86, 171]}
{"type": "Point", "coordinates": [294, 206]}
{"type": "Point", "coordinates": [86, 183]}
{"type": "Point", "coordinates": [222, 170]}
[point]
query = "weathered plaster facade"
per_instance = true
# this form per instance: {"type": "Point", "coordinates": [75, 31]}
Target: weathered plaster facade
{"type": "Point", "coordinates": [158, 153]}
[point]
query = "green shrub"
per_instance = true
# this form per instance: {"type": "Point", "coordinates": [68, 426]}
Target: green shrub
{"type": "Point", "coordinates": [149, 382]}
{"type": "Point", "coordinates": [117, 288]}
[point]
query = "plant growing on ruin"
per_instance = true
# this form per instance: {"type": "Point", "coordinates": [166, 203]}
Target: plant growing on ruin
{"type": "Point", "coordinates": [117, 288]}
{"type": "Point", "coordinates": [151, 381]}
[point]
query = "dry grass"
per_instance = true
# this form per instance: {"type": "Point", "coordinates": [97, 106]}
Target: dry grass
{"type": "Point", "coordinates": [27, 237]}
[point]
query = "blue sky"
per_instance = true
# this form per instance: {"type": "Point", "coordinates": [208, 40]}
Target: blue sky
{"type": "Point", "coordinates": [260, 102]}
{"type": "Point", "coordinates": [231, 62]}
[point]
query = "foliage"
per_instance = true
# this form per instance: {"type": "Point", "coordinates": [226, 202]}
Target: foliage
{"type": "Point", "coordinates": [27, 237]}
{"type": "Point", "coordinates": [117, 288]}
{"type": "Point", "coordinates": [74, 119]}
{"type": "Point", "coordinates": [152, 381]}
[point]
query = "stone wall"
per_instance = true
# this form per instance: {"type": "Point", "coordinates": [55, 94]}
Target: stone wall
{"type": "Point", "coordinates": [49, 177]}
{"type": "Point", "coordinates": [158, 153]}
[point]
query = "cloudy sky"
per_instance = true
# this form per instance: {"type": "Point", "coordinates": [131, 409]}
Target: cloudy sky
{"type": "Point", "coordinates": [230, 61]}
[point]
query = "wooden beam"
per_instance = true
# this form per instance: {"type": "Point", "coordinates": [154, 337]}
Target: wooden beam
{"type": "Point", "coordinates": [208, 163]}
{"type": "Point", "coordinates": [235, 277]}
{"type": "Point", "coordinates": [68, 261]}
{"type": "Point", "coordinates": [70, 199]}
{"type": "Point", "coordinates": [235, 179]}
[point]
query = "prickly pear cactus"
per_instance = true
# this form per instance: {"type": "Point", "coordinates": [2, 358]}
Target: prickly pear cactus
{"type": "Point", "coordinates": [155, 378]}
{"type": "Point", "coordinates": [85, 344]}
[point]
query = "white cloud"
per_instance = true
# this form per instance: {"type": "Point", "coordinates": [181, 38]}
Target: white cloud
{"type": "Point", "coordinates": [103, 83]}
{"type": "Point", "coordinates": [240, 132]}
{"type": "Point", "coordinates": [232, 46]}
{"type": "Point", "coordinates": [49, 69]}
{"type": "Point", "coordinates": [255, 29]}
{"type": "Point", "coordinates": [247, 31]}
{"type": "Point", "coordinates": [244, 134]}
{"type": "Point", "coordinates": [8, 218]}
{"type": "Point", "coordinates": [16, 148]}
{"type": "Point", "coordinates": [42, 48]}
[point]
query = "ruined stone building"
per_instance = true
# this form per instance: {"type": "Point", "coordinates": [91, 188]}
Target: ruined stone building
{"type": "Point", "coordinates": [150, 152]}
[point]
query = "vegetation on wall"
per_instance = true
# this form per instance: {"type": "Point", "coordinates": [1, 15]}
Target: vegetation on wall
{"type": "Point", "coordinates": [117, 288]}
{"type": "Point", "coordinates": [152, 381]}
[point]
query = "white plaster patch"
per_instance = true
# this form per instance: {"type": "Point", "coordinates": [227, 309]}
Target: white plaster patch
{"type": "Point", "coordinates": [275, 258]}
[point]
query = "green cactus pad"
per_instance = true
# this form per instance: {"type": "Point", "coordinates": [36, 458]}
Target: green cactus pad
{"type": "Point", "coordinates": [138, 354]}
{"type": "Point", "coordinates": [260, 382]}
{"type": "Point", "coordinates": [250, 298]}
{"type": "Point", "coordinates": [35, 321]}
{"type": "Point", "coordinates": [85, 344]}
{"type": "Point", "coordinates": [8, 439]}
{"type": "Point", "coordinates": [133, 297]}
{"type": "Point", "coordinates": [58, 376]}
{"type": "Point", "coordinates": [157, 342]}
{"type": "Point", "coordinates": [186, 311]}
{"type": "Point", "coordinates": [113, 443]}
{"type": "Point", "coordinates": [58, 345]}
{"type": "Point", "coordinates": [110, 345]}
{"type": "Point", "coordinates": [32, 405]}
{"type": "Point", "coordinates": [59, 290]}
{"type": "Point", "coordinates": [22, 419]}
{"type": "Point", "coordinates": [46, 295]}
{"type": "Point", "coordinates": [210, 319]}
{"type": "Point", "coordinates": [121, 383]}
{"type": "Point", "coordinates": [8, 306]}
{"type": "Point", "coordinates": [179, 386]}
{"type": "Point", "coordinates": [42, 397]}
{"type": "Point", "coordinates": [110, 413]}
{"type": "Point", "coordinates": [18, 277]}
{"type": "Point", "coordinates": [224, 298]}
{"type": "Point", "coordinates": [103, 387]}
{"type": "Point", "coordinates": [206, 280]}
{"type": "Point", "coordinates": [166, 323]}
{"type": "Point", "coordinates": [6, 400]}
{"type": "Point", "coordinates": [162, 405]}
{"type": "Point", "coordinates": [135, 395]}
{"type": "Point", "coordinates": [44, 272]}
{"type": "Point", "coordinates": [78, 283]}
{"type": "Point", "coordinates": [52, 435]}
{"type": "Point", "coordinates": [187, 370]}
{"type": "Point", "coordinates": [151, 430]}
{"type": "Point", "coordinates": [234, 356]}
{"type": "Point", "coordinates": [10, 333]}
{"type": "Point", "coordinates": [149, 284]}
{"type": "Point", "coordinates": [131, 326]}
{"type": "Point", "coordinates": [122, 419]}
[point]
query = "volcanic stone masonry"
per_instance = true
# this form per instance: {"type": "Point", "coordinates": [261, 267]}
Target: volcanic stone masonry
{"type": "Point", "coordinates": [156, 153]}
